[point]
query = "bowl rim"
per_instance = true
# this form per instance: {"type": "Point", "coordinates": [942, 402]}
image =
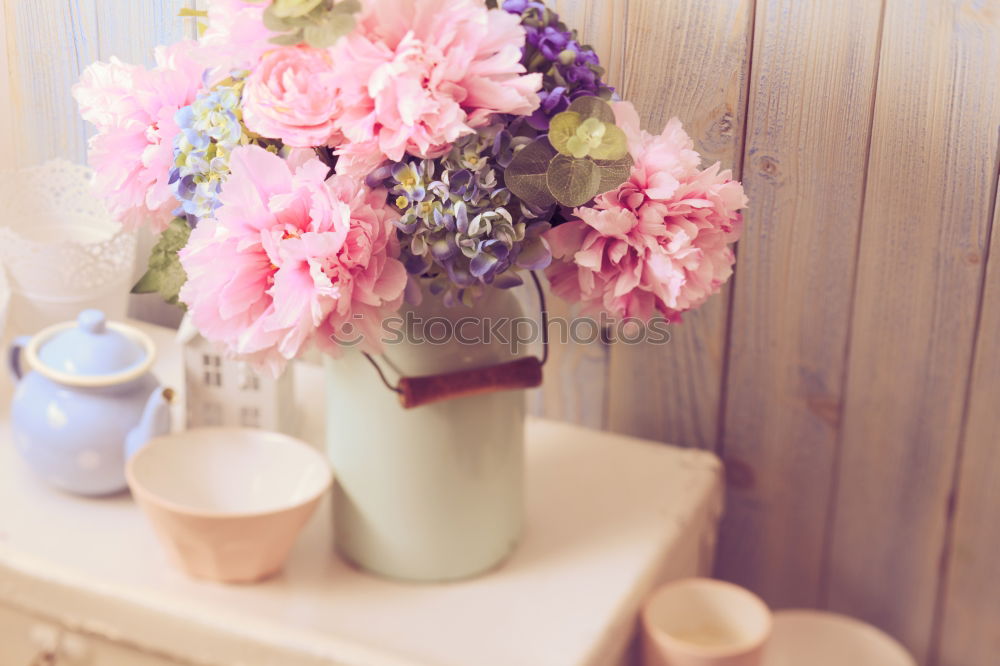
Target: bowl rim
{"type": "Point", "coordinates": [142, 493]}
{"type": "Point", "coordinates": [830, 618]}
{"type": "Point", "coordinates": [655, 634]}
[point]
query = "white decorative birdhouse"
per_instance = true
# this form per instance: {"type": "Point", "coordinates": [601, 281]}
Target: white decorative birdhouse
{"type": "Point", "coordinates": [224, 392]}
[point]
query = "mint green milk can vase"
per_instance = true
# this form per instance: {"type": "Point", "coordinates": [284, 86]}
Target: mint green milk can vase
{"type": "Point", "coordinates": [433, 492]}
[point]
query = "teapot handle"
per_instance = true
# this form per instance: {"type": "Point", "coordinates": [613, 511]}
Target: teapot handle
{"type": "Point", "coordinates": [14, 356]}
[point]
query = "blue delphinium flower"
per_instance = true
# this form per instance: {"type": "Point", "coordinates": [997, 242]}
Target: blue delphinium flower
{"type": "Point", "coordinates": [570, 70]}
{"type": "Point", "coordinates": [210, 128]}
{"type": "Point", "coordinates": [458, 224]}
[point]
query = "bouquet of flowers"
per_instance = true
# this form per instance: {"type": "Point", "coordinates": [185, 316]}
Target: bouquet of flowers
{"type": "Point", "coordinates": [309, 162]}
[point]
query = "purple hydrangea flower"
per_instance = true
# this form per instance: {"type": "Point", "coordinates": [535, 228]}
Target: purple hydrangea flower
{"type": "Point", "coordinates": [458, 224]}
{"type": "Point", "coordinates": [570, 69]}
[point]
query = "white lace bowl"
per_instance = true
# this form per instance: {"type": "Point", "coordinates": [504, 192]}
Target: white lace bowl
{"type": "Point", "coordinates": [61, 249]}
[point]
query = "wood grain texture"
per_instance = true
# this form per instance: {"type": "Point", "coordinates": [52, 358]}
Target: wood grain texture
{"type": "Point", "coordinates": [6, 92]}
{"type": "Point", "coordinates": [132, 30]}
{"type": "Point", "coordinates": [927, 213]}
{"type": "Point", "coordinates": [49, 44]}
{"type": "Point", "coordinates": [810, 110]}
{"type": "Point", "coordinates": [575, 377]}
{"type": "Point", "coordinates": [970, 631]}
{"type": "Point", "coordinates": [688, 59]}
{"type": "Point", "coordinates": [575, 388]}
{"type": "Point", "coordinates": [602, 25]}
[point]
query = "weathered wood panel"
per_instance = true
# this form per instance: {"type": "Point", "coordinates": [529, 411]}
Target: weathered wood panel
{"type": "Point", "coordinates": [575, 387]}
{"type": "Point", "coordinates": [970, 633]}
{"type": "Point", "coordinates": [6, 93]}
{"type": "Point", "coordinates": [602, 25]}
{"type": "Point", "coordinates": [688, 59]}
{"type": "Point", "coordinates": [49, 42]}
{"type": "Point", "coordinates": [806, 147]}
{"type": "Point", "coordinates": [926, 219]}
{"type": "Point", "coordinates": [131, 30]}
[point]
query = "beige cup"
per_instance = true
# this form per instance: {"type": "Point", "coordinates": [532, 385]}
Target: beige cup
{"type": "Point", "coordinates": [704, 622]}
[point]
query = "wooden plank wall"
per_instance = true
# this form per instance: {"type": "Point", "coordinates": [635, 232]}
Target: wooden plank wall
{"type": "Point", "coordinates": [849, 376]}
{"type": "Point", "coordinates": [925, 231]}
{"type": "Point", "coordinates": [834, 376]}
{"type": "Point", "coordinates": [674, 392]}
{"type": "Point", "coordinates": [805, 153]}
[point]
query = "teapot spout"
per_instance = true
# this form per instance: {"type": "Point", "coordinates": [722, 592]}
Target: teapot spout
{"type": "Point", "coordinates": [155, 421]}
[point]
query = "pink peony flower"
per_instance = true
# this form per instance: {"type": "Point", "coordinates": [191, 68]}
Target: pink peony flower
{"type": "Point", "coordinates": [660, 241]}
{"type": "Point", "coordinates": [133, 110]}
{"type": "Point", "coordinates": [291, 258]}
{"type": "Point", "coordinates": [291, 96]}
{"type": "Point", "coordinates": [417, 74]}
{"type": "Point", "coordinates": [236, 37]}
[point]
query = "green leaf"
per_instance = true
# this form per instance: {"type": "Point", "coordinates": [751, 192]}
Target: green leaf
{"type": "Point", "coordinates": [573, 182]}
{"type": "Point", "coordinates": [326, 34]}
{"type": "Point", "coordinates": [348, 6]}
{"type": "Point", "coordinates": [614, 144]}
{"type": "Point", "coordinates": [294, 8]}
{"type": "Point", "coordinates": [593, 107]}
{"type": "Point", "coordinates": [562, 128]}
{"type": "Point", "coordinates": [273, 22]}
{"type": "Point", "coordinates": [577, 147]}
{"type": "Point", "coordinates": [287, 39]}
{"type": "Point", "coordinates": [614, 173]}
{"type": "Point", "coordinates": [526, 175]}
{"type": "Point", "coordinates": [165, 275]}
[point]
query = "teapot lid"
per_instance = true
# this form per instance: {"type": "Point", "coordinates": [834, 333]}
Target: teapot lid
{"type": "Point", "coordinates": [91, 351]}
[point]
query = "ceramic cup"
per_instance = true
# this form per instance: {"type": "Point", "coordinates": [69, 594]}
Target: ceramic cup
{"type": "Point", "coordinates": [228, 503]}
{"type": "Point", "coordinates": [704, 622]}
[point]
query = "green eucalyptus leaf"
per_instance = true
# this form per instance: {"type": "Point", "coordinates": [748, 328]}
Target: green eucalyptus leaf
{"type": "Point", "coordinates": [526, 175]}
{"type": "Point", "coordinates": [287, 39]}
{"type": "Point", "coordinates": [593, 107]}
{"type": "Point", "coordinates": [577, 147]}
{"type": "Point", "coordinates": [293, 8]}
{"type": "Point", "coordinates": [327, 32]}
{"type": "Point", "coordinates": [614, 144]}
{"type": "Point", "coordinates": [573, 182]}
{"type": "Point", "coordinates": [614, 172]}
{"type": "Point", "coordinates": [562, 128]}
{"type": "Point", "coordinates": [165, 274]}
{"type": "Point", "coordinates": [347, 7]}
{"type": "Point", "coordinates": [273, 22]}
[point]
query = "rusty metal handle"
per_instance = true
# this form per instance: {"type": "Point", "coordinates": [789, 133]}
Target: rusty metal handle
{"type": "Point", "coordinates": [521, 374]}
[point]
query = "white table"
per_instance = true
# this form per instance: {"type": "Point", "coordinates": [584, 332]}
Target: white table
{"type": "Point", "coordinates": [608, 518]}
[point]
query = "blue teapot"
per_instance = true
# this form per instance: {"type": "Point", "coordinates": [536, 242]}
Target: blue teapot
{"type": "Point", "coordinates": [88, 402]}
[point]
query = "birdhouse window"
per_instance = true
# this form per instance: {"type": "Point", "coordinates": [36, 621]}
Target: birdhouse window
{"type": "Point", "coordinates": [212, 366]}
{"type": "Point", "coordinates": [212, 413]}
{"type": "Point", "coordinates": [248, 379]}
{"type": "Point", "coordinates": [250, 417]}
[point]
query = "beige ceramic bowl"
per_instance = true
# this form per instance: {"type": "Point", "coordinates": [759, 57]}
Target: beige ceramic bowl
{"type": "Point", "coordinates": [228, 503]}
{"type": "Point", "coordinates": [818, 638]}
